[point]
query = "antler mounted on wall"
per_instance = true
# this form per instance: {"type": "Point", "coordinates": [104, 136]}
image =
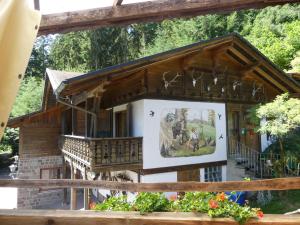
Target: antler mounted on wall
{"type": "Point", "coordinates": [173, 80]}
{"type": "Point", "coordinates": [236, 84]}
{"type": "Point", "coordinates": [215, 73]}
{"type": "Point", "coordinates": [256, 88]}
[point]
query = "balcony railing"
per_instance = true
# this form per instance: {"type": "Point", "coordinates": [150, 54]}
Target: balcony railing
{"type": "Point", "coordinates": [102, 152]}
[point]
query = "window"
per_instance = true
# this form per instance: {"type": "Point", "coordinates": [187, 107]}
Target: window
{"type": "Point", "coordinates": [213, 174]}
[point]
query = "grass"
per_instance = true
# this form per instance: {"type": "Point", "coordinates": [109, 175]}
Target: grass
{"type": "Point", "coordinates": [289, 201]}
{"type": "Point", "coordinates": [187, 153]}
{"type": "Point", "coordinates": [208, 130]}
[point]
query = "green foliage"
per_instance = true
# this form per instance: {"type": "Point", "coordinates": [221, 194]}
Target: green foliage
{"type": "Point", "coordinates": [291, 143]}
{"type": "Point", "coordinates": [194, 201]}
{"type": "Point", "coordinates": [273, 30]}
{"type": "Point", "coordinates": [282, 116]}
{"type": "Point", "coordinates": [5, 148]}
{"type": "Point", "coordinates": [275, 33]}
{"type": "Point", "coordinates": [252, 116]}
{"type": "Point", "coordinates": [151, 202]}
{"type": "Point", "coordinates": [113, 45]}
{"type": "Point", "coordinates": [114, 204]}
{"type": "Point", "coordinates": [71, 52]}
{"type": "Point", "coordinates": [39, 59]}
{"type": "Point", "coordinates": [281, 205]}
{"type": "Point", "coordinates": [295, 63]}
{"type": "Point", "coordinates": [10, 141]}
{"type": "Point", "coordinates": [29, 98]}
{"type": "Point", "coordinates": [96, 49]}
{"type": "Point", "coordinates": [215, 205]}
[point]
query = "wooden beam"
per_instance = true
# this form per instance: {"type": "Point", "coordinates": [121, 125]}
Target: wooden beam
{"type": "Point", "coordinates": [256, 185]}
{"type": "Point", "coordinates": [117, 2]}
{"type": "Point", "coordinates": [62, 217]}
{"type": "Point", "coordinates": [149, 11]}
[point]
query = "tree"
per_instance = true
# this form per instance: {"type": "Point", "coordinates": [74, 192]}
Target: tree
{"type": "Point", "coordinates": [71, 52]}
{"type": "Point", "coordinates": [282, 116]}
{"type": "Point", "coordinates": [29, 98]}
{"type": "Point", "coordinates": [295, 63]}
{"type": "Point", "coordinates": [39, 59]}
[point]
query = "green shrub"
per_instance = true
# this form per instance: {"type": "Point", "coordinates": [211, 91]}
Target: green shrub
{"type": "Point", "coordinates": [4, 148]}
{"type": "Point", "coordinates": [151, 202]}
{"type": "Point", "coordinates": [114, 204]}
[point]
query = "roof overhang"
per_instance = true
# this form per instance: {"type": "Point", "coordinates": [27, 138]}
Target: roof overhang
{"type": "Point", "coordinates": [267, 70]}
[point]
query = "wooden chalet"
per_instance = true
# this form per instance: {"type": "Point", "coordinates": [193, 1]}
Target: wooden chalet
{"type": "Point", "coordinates": [106, 124]}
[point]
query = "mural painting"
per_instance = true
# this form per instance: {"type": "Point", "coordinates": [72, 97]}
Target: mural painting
{"type": "Point", "coordinates": [187, 132]}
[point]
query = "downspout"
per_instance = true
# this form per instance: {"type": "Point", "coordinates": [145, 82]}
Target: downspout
{"type": "Point", "coordinates": [74, 106]}
{"type": "Point", "coordinates": [58, 99]}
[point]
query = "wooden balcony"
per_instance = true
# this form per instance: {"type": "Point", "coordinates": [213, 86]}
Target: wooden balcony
{"type": "Point", "coordinates": [102, 153]}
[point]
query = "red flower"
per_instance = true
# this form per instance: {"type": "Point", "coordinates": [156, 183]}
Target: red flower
{"type": "Point", "coordinates": [92, 205]}
{"type": "Point", "coordinates": [213, 204]}
{"type": "Point", "coordinates": [173, 197]}
{"type": "Point", "coordinates": [260, 214]}
{"type": "Point", "coordinates": [221, 197]}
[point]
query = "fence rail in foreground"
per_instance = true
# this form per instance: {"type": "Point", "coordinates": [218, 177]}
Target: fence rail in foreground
{"type": "Point", "coordinates": [255, 185]}
{"type": "Point", "coordinates": [53, 217]}
{"type": "Point", "coordinates": [62, 217]}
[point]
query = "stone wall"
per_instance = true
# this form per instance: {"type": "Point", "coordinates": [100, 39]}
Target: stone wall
{"type": "Point", "coordinates": [33, 198]}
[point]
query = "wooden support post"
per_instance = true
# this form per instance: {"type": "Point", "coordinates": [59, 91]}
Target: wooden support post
{"type": "Point", "coordinates": [73, 204]}
{"type": "Point", "coordinates": [64, 176]}
{"type": "Point", "coordinates": [63, 122]}
{"type": "Point", "coordinates": [86, 118]}
{"type": "Point", "coordinates": [85, 192]}
{"type": "Point", "coordinates": [74, 121]}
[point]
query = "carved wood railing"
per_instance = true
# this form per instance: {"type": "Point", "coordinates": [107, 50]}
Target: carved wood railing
{"type": "Point", "coordinates": [101, 152]}
{"type": "Point", "coordinates": [35, 217]}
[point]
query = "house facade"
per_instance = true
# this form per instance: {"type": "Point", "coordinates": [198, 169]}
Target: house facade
{"type": "Point", "coordinates": [171, 117]}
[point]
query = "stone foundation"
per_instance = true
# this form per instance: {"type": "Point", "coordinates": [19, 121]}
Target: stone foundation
{"type": "Point", "coordinates": [34, 198]}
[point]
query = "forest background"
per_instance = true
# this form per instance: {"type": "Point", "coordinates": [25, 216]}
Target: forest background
{"type": "Point", "coordinates": [275, 31]}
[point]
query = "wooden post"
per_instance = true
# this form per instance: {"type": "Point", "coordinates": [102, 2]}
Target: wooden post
{"type": "Point", "coordinates": [64, 175]}
{"type": "Point", "coordinates": [73, 121]}
{"type": "Point", "coordinates": [86, 118]}
{"type": "Point", "coordinates": [85, 192]}
{"type": "Point", "coordinates": [63, 122]}
{"type": "Point", "coordinates": [73, 204]}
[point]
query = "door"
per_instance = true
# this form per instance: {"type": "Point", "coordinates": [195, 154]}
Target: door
{"type": "Point", "coordinates": [121, 126]}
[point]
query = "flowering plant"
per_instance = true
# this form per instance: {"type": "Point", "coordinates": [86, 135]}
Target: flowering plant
{"type": "Point", "coordinates": [214, 204]}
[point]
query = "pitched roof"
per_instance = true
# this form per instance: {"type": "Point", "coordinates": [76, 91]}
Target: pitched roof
{"type": "Point", "coordinates": [132, 66]}
{"type": "Point", "coordinates": [56, 77]}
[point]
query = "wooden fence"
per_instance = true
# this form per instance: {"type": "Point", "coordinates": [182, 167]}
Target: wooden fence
{"type": "Point", "coordinates": [60, 217]}
{"type": "Point", "coordinates": [255, 185]}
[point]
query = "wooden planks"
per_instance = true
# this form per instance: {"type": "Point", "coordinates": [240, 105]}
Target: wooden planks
{"type": "Point", "coordinates": [257, 185]}
{"type": "Point", "coordinates": [144, 12]}
{"type": "Point", "coordinates": [62, 217]}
